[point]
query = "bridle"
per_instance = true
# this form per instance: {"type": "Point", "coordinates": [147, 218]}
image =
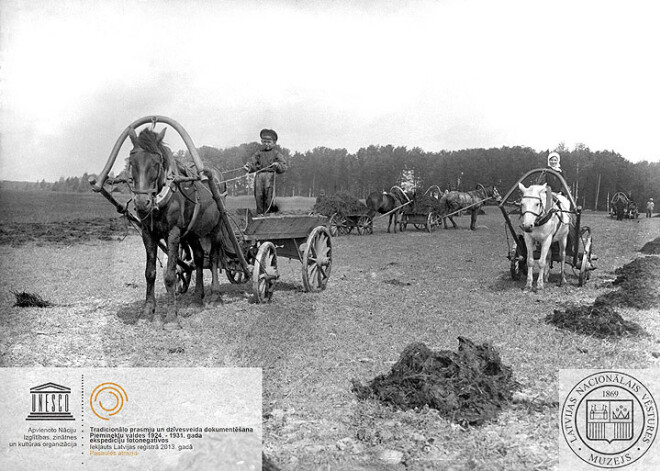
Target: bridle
{"type": "Point", "coordinates": [159, 182]}
{"type": "Point", "coordinates": [165, 185]}
{"type": "Point", "coordinates": [540, 217]}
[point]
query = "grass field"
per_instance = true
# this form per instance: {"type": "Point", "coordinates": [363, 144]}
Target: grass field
{"type": "Point", "coordinates": [52, 206]}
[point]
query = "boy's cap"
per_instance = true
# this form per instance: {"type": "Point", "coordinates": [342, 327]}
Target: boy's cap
{"type": "Point", "coordinates": [268, 133]}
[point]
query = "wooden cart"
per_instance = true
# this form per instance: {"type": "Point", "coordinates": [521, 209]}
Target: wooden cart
{"type": "Point", "coordinates": [422, 218]}
{"type": "Point", "coordinates": [429, 221]}
{"type": "Point", "coordinates": [342, 224]}
{"type": "Point", "coordinates": [305, 238]}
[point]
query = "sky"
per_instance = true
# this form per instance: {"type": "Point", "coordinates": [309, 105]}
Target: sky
{"type": "Point", "coordinates": [439, 75]}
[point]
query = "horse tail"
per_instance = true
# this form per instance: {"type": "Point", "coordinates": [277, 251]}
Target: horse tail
{"type": "Point", "coordinates": [373, 203]}
{"type": "Point", "coordinates": [444, 205]}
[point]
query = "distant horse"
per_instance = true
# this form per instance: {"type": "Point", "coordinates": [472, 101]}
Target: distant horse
{"type": "Point", "coordinates": [544, 225]}
{"type": "Point", "coordinates": [471, 201]}
{"type": "Point", "coordinates": [174, 212]}
{"type": "Point", "coordinates": [619, 209]}
{"type": "Point", "coordinates": [383, 203]}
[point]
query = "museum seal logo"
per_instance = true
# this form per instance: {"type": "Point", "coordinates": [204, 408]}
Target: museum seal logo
{"type": "Point", "coordinates": [609, 419]}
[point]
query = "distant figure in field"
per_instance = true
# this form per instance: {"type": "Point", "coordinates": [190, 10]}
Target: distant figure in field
{"type": "Point", "coordinates": [650, 205]}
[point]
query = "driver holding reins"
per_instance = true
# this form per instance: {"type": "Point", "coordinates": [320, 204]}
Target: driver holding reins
{"type": "Point", "coordinates": [265, 163]}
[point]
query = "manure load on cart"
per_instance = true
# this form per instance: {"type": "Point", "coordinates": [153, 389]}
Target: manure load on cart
{"type": "Point", "coordinates": [345, 212]}
{"type": "Point", "coordinates": [423, 212]}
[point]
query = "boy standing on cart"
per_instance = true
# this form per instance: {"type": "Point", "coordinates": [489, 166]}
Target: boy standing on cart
{"type": "Point", "coordinates": [265, 163]}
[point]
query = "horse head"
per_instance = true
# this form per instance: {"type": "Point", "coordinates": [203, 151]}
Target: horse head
{"type": "Point", "coordinates": [495, 194]}
{"type": "Point", "coordinates": [533, 205]}
{"type": "Point", "coordinates": [149, 167]}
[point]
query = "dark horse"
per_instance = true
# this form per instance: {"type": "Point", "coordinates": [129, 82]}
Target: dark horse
{"type": "Point", "coordinates": [176, 212]}
{"type": "Point", "coordinates": [471, 201]}
{"type": "Point", "coordinates": [620, 209]}
{"type": "Point", "coordinates": [383, 203]}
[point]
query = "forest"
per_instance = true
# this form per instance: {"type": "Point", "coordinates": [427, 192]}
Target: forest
{"type": "Point", "coordinates": [591, 175]}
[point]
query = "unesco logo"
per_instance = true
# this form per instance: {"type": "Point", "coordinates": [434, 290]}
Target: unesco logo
{"type": "Point", "coordinates": [609, 419]}
{"type": "Point", "coordinates": [50, 401]}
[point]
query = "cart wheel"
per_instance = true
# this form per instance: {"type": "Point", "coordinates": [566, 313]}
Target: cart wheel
{"type": "Point", "coordinates": [235, 273]}
{"type": "Point", "coordinates": [519, 260]}
{"type": "Point", "coordinates": [332, 225]}
{"type": "Point", "coordinates": [317, 260]}
{"type": "Point", "coordinates": [403, 225]}
{"type": "Point", "coordinates": [183, 275]}
{"type": "Point", "coordinates": [264, 273]}
{"type": "Point", "coordinates": [364, 225]}
{"type": "Point", "coordinates": [585, 264]}
{"type": "Point", "coordinates": [338, 225]}
{"type": "Point", "coordinates": [432, 222]}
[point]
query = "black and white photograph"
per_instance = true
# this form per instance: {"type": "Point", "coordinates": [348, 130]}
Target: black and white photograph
{"type": "Point", "coordinates": [426, 228]}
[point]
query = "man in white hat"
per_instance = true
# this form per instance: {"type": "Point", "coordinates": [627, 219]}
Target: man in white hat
{"type": "Point", "coordinates": [649, 208]}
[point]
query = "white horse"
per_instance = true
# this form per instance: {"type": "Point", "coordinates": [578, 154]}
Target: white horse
{"type": "Point", "coordinates": [545, 219]}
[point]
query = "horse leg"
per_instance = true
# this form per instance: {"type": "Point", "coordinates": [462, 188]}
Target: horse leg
{"type": "Point", "coordinates": [544, 263]}
{"type": "Point", "coordinates": [473, 219]}
{"type": "Point", "coordinates": [562, 259]}
{"type": "Point", "coordinates": [215, 268]}
{"type": "Point", "coordinates": [392, 218]}
{"type": "Point", "coordinates": [198, 255]}
{"type": "Point", "coordinates": [529, 243]}
{"type": "Point", "coordinates": [171, 319]}
{"type": "Point", "coordinates": [151, 248]}
{"type": "Point", "coordinates": [453, 222]}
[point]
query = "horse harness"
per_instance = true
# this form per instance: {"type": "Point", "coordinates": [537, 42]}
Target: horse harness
{"type": "Point", "coordinates": [161, 198]}
{"type": "Point", "coordinates": [544, 216]}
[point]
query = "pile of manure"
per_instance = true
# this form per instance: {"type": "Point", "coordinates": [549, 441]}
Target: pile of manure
{"type": "Point", "coordinates": [424, 204]}
{"type": "Point", "coordinates": [599, 321]}
{"type": "Point", "coordinates": [24, 299]}
{"type": "Point", "coordinates": [638, 285]}
{"type": "Point", "coordinates": [652, 247]}
{"type": "Point", "coordinates": [469, 387]}
{"type": "Point", "coordinates": [342, 203]}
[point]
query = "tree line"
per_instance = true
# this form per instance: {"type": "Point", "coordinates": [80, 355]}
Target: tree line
{"type": "Point", "coordinates": [591, 175]}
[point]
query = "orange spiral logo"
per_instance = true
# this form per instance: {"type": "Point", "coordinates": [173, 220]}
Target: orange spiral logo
{"type": "Point", "coordinates": [107, 400]}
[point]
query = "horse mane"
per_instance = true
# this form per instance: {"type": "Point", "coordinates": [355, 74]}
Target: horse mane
{"type": "Point", "coordinates": [148, 140]}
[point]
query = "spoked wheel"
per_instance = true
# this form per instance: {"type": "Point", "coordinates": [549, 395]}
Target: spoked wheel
{"type": "Point", "coordinates": [184, 274]}
{"type": "Point", "coordinates": [235, 273]}
{"type": "Point", "coordinates": [519, 259]}
{"type": "Point", "coordinates": [264, 273]}
{"type": "Point", "coordinates": [332, 224]}
{"type": "Point", "coordinates": [365, 225]}
{"type": "Point", "coordinates": [585, 260]}
{"type": "Point", "coordinates": [317, 260]}
{"type": "Point", "coordinates": [432, 222]}
{"type": "Point", "coordinates": [338, 225]}
{"type": "Point", "coordinates": [403, 225]}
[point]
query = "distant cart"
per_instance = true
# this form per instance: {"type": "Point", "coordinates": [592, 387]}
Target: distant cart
{"type": "Point", "coordinates": [422, 217]}
{"type": "Point", "coordinates": [342, 224]}
{"type": "Point", "coordinates": [421, 221]}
